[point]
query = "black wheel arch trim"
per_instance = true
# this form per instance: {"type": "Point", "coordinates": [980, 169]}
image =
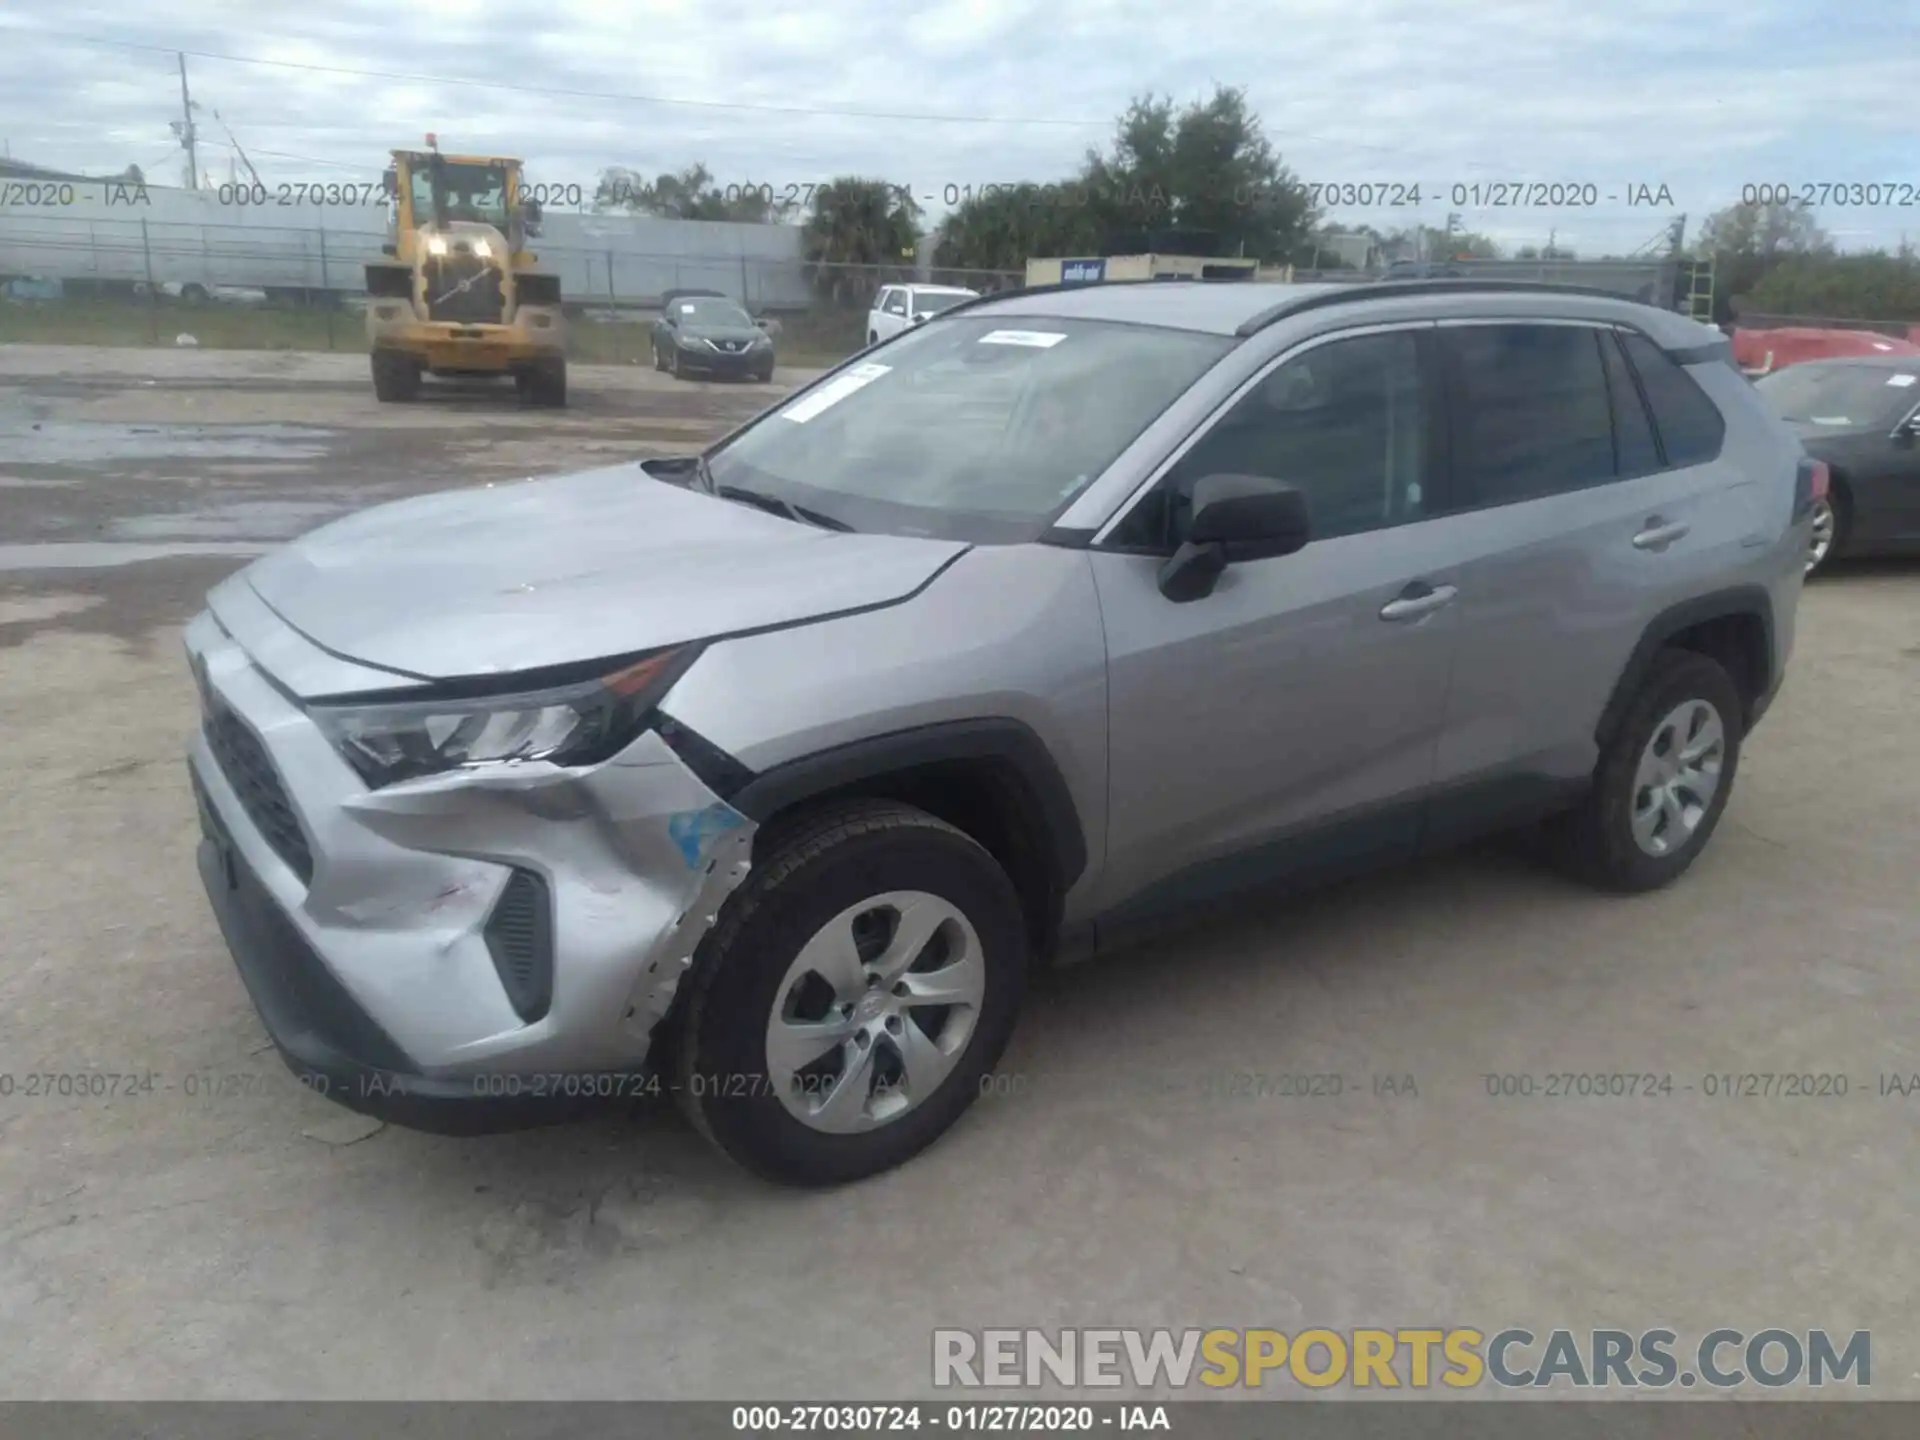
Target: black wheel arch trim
{"type": "Point", "coordinates": [1739, 600]}
{"type": "Point", "coordinates": [1003, 739]}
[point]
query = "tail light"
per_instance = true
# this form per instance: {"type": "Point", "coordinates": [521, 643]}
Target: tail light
{"type": "Point", "coordinates": [1811, 483]}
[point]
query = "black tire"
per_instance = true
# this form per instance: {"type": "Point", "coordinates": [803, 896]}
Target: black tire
{"type": "Point", "coordinates": [873, 338]}
{"type": "Point", "coordinates": [764, 376]}
{"type": "Point", "coordinates": [658, 363]}
{"type": "Point", "coordinates": [546, 382]}
{"type": "Point", "coordinates": [816, 868]}
{"type": "Point", "coordinates": [396, 377]}
{"type": "Point", "coordinates": [673, 363]}
{"type": "Point", "coordinates": [1594, 842]}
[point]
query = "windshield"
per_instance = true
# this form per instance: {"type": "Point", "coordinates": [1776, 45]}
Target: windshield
{"type": "Point", "coordinates": [714, 312]}
{"type": "Point", "coordinates": [1841, 396]}
{"type": "Point", "coordinates": [475, 193]}
{"type": "Point", "coordinates": [932, 302]}
{"type": "Point", "coordinates": [975, 429]}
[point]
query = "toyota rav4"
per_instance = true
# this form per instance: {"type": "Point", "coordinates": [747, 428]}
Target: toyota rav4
{"type": "Point", "coordinates": [762, 777]}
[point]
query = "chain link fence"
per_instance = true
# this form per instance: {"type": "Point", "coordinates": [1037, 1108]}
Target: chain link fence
{"type": "Point", "coordinates": [135, 281]}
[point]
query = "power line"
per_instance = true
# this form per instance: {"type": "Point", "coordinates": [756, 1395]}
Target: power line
{"type": "Point", "coordinates": [575, 94]}
{"type": "Point", "coordinates": [749, 107]}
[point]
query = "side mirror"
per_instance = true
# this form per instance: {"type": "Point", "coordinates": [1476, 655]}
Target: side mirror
{"type": "Point", "coordinates": [389, 250]}
{"type": "Point", "coordinates": [1235, 518]}
{"type": "Point", "coordinates": [920, 317]}
{"type": "Point", "coordinates": [762, 322]}
{"type": "Point", "coordinates": [390, 185]}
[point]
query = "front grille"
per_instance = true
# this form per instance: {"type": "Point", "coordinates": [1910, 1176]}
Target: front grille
{"type": "Point", "coordinates": [519, 935]}
{"type": "Point", "coordinates": [249, 769]}
{"type": "Point", "coordinates": [464, 288]}
{"type": "Point", "coordinates": [730, 347]}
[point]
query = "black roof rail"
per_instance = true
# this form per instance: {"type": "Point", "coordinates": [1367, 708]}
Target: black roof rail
{"type": "Point", "coordinates": [1372, 289]}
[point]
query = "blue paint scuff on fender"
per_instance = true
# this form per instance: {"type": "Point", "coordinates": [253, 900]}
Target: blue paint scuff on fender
{"type": "Point", "coordinates": [692, 829]}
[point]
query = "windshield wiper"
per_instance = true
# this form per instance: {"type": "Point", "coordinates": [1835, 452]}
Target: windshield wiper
{"type": "Point", "coordinates": [774, 505]}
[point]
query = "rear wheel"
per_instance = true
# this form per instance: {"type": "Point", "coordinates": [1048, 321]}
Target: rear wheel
{"type": "Point", "coordinates": [873, 337]}
{"type": "Point", "coordinates": [1662, 782]}
{"type": "Point", "coordinates": [1829, 537]}
{"type": "Point", "coordinates": [545, 382]}
{"type": "Point", "coordinates": [859, 985]}
{"type": "Point", "coordinates": [396, 377]}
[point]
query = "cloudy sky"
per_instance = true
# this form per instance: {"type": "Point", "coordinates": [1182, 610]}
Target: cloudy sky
{"type": "Point", "coordinates": [1613, 93]}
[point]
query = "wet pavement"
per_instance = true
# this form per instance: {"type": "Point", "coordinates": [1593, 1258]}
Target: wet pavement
{"type": "Point", "coordinates": [140, 478]}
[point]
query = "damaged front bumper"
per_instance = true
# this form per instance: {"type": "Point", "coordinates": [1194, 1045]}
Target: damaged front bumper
{"type": "Point", "coordinates": [367, 925]}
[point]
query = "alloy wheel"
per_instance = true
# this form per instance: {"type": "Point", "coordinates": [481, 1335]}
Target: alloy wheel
{"type": "Point", "coordinates": [875, 1011]}
{"type": "Point", "coordinates": [1678, 776]}
{"type": "Point", "coordinates": [1820, 544]}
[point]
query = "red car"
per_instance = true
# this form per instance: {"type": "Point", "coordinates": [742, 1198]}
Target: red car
{"type": "Point", "coordinates": [1761, 352]}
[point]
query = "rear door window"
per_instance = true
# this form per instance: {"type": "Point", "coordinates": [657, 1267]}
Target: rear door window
{"type": "Point", "coordinates": [1533, 415]}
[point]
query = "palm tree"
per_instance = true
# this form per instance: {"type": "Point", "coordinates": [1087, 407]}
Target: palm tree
{"type": "Point", "coordinates": [857, 230]}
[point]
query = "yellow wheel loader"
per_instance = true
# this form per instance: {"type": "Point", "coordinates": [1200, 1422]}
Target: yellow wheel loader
{"type": "Point", "coordinates": [458, 294]}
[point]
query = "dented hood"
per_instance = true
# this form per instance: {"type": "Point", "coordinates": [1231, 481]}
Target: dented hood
{"type": "Point", "coordinates": [527, 574]}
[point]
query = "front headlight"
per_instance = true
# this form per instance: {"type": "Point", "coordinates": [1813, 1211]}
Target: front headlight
{"type": "Point", "coordinates": [483, 249]}
{"type": "Point", "coordinates": [580, 723]}
{"type": "Point", "coordinates": [436, 245]}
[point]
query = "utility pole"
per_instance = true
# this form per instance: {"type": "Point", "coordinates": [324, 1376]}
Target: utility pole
{"type": "Point", "coordinates": [186, 127]}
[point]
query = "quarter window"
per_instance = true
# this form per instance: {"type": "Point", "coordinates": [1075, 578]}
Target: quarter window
{"type": "Point", "coordinates": [1691, 428]}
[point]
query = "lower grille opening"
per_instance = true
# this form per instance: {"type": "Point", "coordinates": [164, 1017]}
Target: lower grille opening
{"type": "Point", "coordinates": [519, 935]}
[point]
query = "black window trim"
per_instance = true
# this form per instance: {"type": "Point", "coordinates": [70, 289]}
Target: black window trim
{"type": "Point", "coordinates": [1614, 403]}
{"type": "Point", "coordinates": [1458, 487]}
{"type": "Point", "coordinates": [1439, 438]}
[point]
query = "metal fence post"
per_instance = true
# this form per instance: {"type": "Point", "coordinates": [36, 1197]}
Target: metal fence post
{"type": "Point", "coordinates": [326, 288]}
{"type": "Point", "coordinates": [744, 297]}
{"type": "Point", "coordinates": [153, 291]}
{"type": "Point", "coordinates": [613, 301]}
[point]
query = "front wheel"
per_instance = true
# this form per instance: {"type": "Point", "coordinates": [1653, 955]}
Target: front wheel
{"type": "Point", "coordinates": [860, 985]}
{"type": "Point", "coordinates": [1662, 782]}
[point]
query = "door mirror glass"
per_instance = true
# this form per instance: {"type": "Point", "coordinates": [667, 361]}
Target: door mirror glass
{"type": "Point", "coordinates": [1235, 518]}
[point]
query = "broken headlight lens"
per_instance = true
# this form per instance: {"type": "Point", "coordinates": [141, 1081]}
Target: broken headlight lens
{"type": "Point", "coordinates": [573, 724]}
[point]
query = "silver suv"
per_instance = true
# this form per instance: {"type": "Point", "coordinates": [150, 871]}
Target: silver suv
{"type": "Point", "coordinates": [762, 777]}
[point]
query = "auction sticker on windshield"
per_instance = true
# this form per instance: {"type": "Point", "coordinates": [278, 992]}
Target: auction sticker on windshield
{"type": "Point", "coordinates": [1037, 339]}
{"type": "Point", "coordinates": [833, 392]}
{"type": "Point", "coordinates": [1901, 381]}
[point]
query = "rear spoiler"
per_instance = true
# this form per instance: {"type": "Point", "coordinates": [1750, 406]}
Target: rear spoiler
{"type": "Point", "coordinates": [1720, 349]}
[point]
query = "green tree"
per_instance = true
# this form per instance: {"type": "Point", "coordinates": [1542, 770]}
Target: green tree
{"type": "Point", "coordinates": [1448, 242]}
{"type": "Point", "coordinates": [1207, 169]}
{"type": "Point", "coordinates": [690, 194]}
{"type": "Point", "coordinates": [1871, 286]}
{"type": "Point", "coordinates": [1748, 242]}
{"type": "Point", "coordinates": [857, 229]}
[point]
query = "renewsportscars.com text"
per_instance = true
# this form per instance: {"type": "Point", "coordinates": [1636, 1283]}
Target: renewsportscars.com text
{"type": "Point", "coordinates": [1458, 1358]}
